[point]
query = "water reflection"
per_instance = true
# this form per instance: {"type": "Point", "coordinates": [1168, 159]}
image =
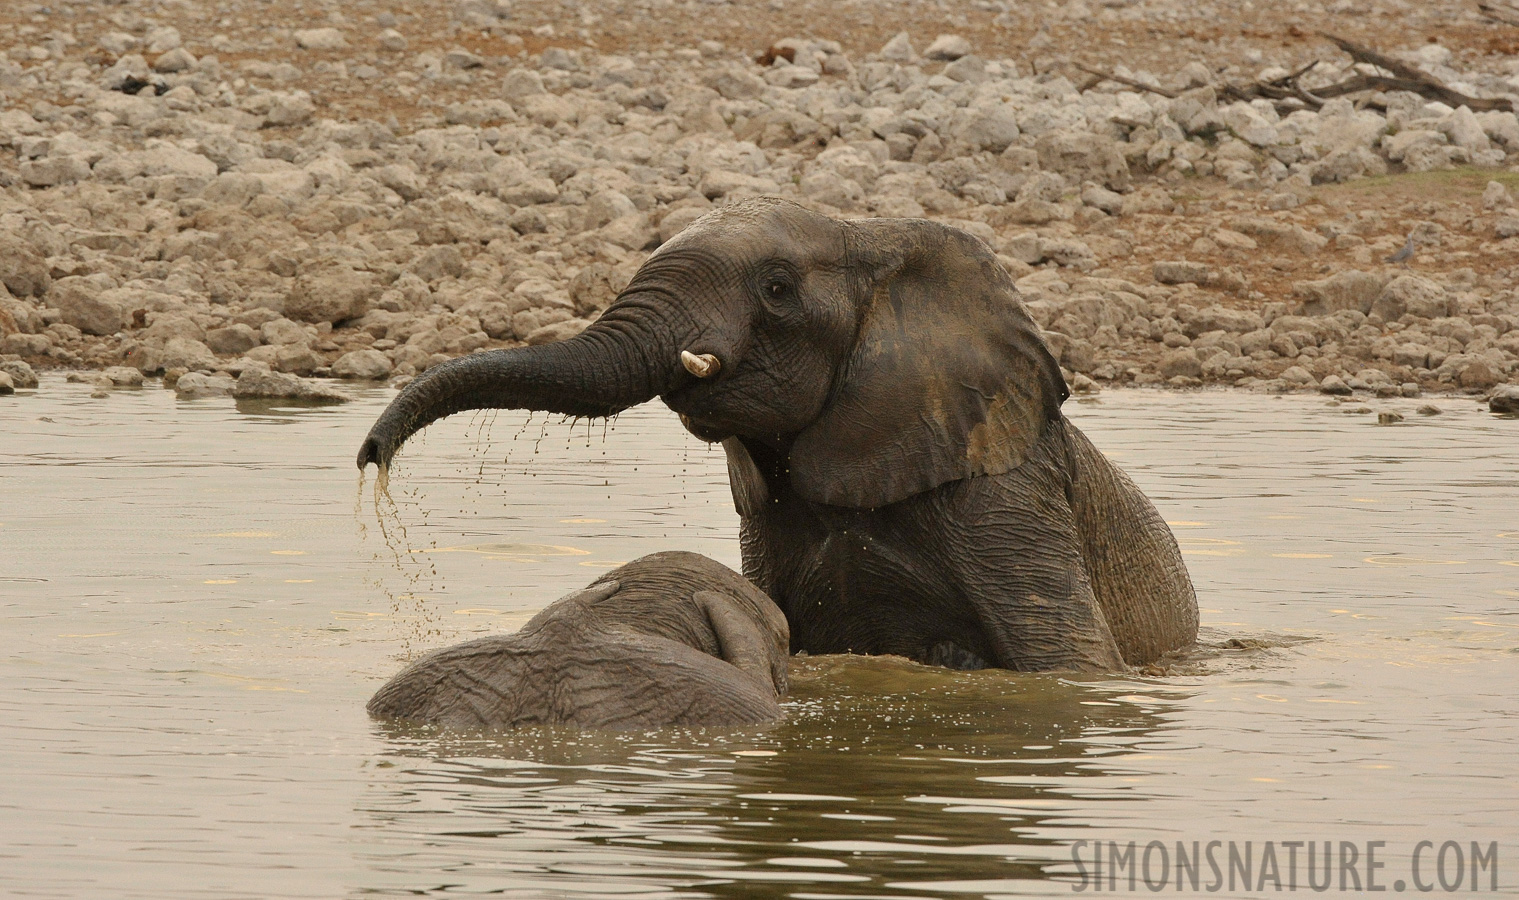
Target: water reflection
{"type": "Point", "coordinates": [272, 410]}
{"type": "Point", "coordinates": [883, 767]}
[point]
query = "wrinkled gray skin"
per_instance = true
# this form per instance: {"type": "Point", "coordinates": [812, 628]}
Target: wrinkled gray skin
{"type": "Point", "coordinates": [891, 417]}
{"type": "Point", "coordinates": [669, 639]}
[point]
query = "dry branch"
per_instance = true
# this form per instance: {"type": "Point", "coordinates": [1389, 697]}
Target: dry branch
{"type": "Point", "coordinates": [1372, 58]}
{"type": "Point", "coordinates": [1109, 76]}
{"type": "Point", "coordinates": [1438, 92]}
{"type": "Point", "coordinates": [1281, 91]}
{"type": "Point", "coordinates": [1288, 94]}
{"type": "Point", "coordinates": [1404, 78]}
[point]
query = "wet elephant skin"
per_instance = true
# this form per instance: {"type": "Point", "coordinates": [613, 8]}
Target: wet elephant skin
{"type": "Point", "coordinates": [891, 417]}
{"type": "Point", "coordinates": [671, 638]}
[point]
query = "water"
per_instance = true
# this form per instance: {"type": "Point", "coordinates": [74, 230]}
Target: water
{"type": "Point", "coordinates": [195, 612]}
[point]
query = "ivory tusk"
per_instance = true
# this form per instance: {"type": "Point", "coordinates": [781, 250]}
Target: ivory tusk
{"type": "Point", "coordinates": [703, 366]}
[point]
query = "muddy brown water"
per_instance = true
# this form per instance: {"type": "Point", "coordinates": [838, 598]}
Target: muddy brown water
{"type": "Point", "coordinates": [197, 600]}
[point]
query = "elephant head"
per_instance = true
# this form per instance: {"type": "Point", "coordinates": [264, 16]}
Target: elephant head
{"type": "Point", "coordinates": [878, 358]}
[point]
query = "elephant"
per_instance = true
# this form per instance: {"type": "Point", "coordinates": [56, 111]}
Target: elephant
{"type": "Point", "coordinates": [891, 416]}
{"type": "Point", "coordinates": [669, 639]}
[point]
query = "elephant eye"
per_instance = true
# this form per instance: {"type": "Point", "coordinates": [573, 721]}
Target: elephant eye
{"type": "Point", "coordinates": [777, 288]}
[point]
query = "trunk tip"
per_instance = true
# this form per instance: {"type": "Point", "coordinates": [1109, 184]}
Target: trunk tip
{"type": "Point", "coordinates": [369, 452]}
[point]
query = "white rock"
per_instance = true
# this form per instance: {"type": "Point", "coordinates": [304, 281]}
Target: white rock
{"type": "Point", "coordinates": [229, 188]}
{"type": "Point", "coordinates": [970, 68]}
{"type": "Point", "coordinates": [163, 158]}
{"type": "Point", "coordinates": [196, 385]}
{"type": "Point", "coordinates": [460, 58]}
{"type": "Point", "coordinates": [1348, 162]}
{"type": "Point", "coordinates": [1411, 294]}
{"type": "Point", "coordinates": [520, 83]}
{"type": "Point", "coordinates": [258, 382]}
{"type": "Point", "coordinates": [177, 60]}
{"type": "Point", "coordinates": [330, 295]}
{"type": "Point", "coordinates": [1194, 74]}
{"type": "Point", "coordinates": [1341, 127]}
{"type": "Point", "coordinates": [162, 39]}
{"type": "Point", "coordinates": [482, 13]}
{"type": "Point", "coordinates": [175, 353]}
{"type": "Point", "coordinates": [320, 39]}
{"type": "Point", "coordinates": [1099, 197]}
{"type": "Point", "coordinates": [1465, 131]}
{"type": "Point", "coordinates": [991, 127]}
{"type": "Point", "coordinates": [404, 180]}
{"type": "Point", "coordinates": [54, 170]}
{"type": "Point", "coordinates": [1496, 196]}
{"type": "Point", "coordinates": [1433, 55]}
{"type": "Point", "coordinates": [1244, 121]}
{"type": "Point", "coordinates": [331, 173]}
{"type": "Point", "coordinates": [735, 84]}
{"type": "Point", "coordinates": [289, 108]}
{"type": "Point", "coordinates": [86, 302]}
{"type": "Point", "coordinates": [945, 47]}
{"type": "Point", "coordinates": [605, 206]}
{"type": "Point", "coordinates": [899, 49]}
{"type": "Point", "coordinates": [166, 327]}
{"type": "Point", "coordinates": [1398, 145]}
{"type": "Point", "coordinates": [829, 187]}
{"type": "Point", "coordinates": [21, 374]}
{"type": "Point", "coordinates": [281, 331]}
{"type": "Point", "coordinates": [1502, 127]}
{"type": "Point", "coordinates": [130, 68]}
{"type": "Point", "coordinates": [529, 190]}
{"type": "Point", "coordinates": [558, 58]}
{"type": "Point", "coordinates": [234, 340]}
{"type": "Point", "coordinates": [368, 365]}
{"type": "Point", "coordinates": [1083, 155]}
{"type": "Point", "coordinates": [1046, 186]}
{"type": "Point", "coordinates": [791, 76]}
{"type": "Point", "coordinates": [850, 161]}
{"type": "Point", "coordinates": [718, 183]}
{"type": "Point", "coordinates": [19, 122]}
{"type": "Point", "coordinates": [1067, 252]}
{"type": "Point", "coordinates": [630, 232]}
{"type": "Point", "coordinates": [117, 42]}
{"type": "Point", "coordinates": [292, 186]}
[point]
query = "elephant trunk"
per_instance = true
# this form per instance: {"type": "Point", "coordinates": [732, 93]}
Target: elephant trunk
{"type": "Point", "coordinates": [618, 362]}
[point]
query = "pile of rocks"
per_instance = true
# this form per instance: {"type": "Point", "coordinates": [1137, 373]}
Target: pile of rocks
{"type": "Point", "coordinates": [169, 210]}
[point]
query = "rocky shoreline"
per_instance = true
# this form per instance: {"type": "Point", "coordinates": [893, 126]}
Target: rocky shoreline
{"type": "Point", "coordinates": [216, 203]}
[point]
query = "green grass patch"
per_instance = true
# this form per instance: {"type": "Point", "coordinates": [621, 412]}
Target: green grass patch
{"type": "Point", "coordinates": [1460, 180]}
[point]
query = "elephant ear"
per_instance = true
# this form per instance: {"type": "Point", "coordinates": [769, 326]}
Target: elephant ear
{"type": "Point", "coordinates": [742, 641]}
{"type": "Point", "coordinates": [948, 379]}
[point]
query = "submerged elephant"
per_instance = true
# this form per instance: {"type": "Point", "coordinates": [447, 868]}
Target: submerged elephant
{"type": "Point", "coordinates": [668, 639]}
{"type": "Point", "coordinates": [891, 417]}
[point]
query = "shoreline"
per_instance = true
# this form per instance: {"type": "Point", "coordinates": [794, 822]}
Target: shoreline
{"type": "Point", "coordinates": [382, 191]}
